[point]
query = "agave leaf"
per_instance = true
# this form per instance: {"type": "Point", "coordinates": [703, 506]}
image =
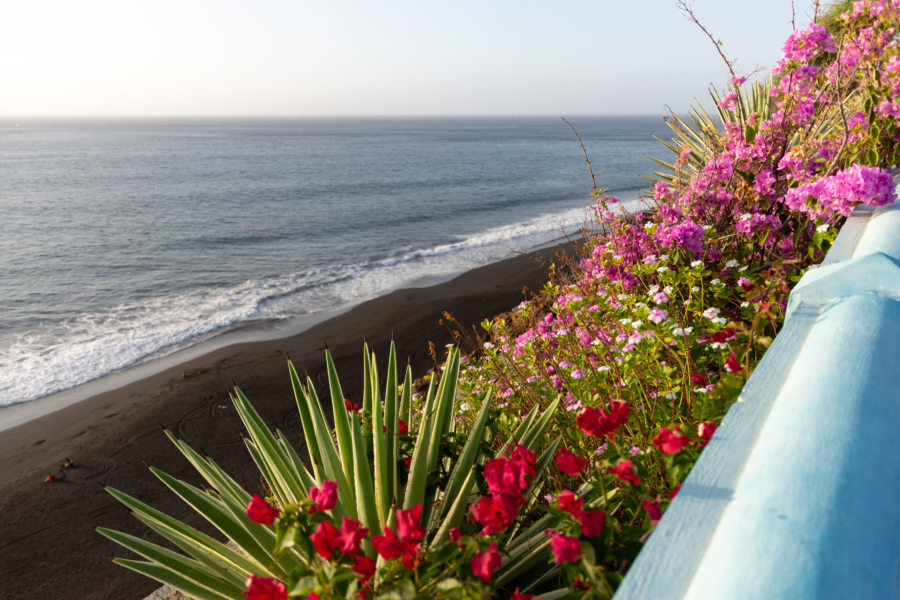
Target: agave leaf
{"type": "Point", "coordinates": [175, 531]}
{"type": "Point", "coordinates": [392, 424]}
{"type": "Point", "coordinates": [455, 512]}
{"type": "Point", "coordinates": [406, 400]}
{"type": "Point", "coordinates": [191, 569]}
{"type": "Point", "coordinates": [341, 418]}
{"type": "Point", "coordinates": [364, 486]}
{"type": "Point", "coordinates": [380, 456]}
{"type": "Point", "coordinates": [172, 578]}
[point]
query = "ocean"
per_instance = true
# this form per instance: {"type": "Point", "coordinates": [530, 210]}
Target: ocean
{"type": "Point", "coordinates": [125, 240]}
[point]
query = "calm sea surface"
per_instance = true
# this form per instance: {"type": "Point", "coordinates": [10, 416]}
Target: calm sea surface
{"type": "Point", "coordinates": [123, 240]}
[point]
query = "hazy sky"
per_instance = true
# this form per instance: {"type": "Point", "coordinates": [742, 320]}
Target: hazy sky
{"type": "Point", "coordinates": [368, 57]}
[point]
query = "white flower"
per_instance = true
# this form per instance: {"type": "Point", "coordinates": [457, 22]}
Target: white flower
{"type": "Point", "coordinates": [745, 304]}
{"type": "Point", "coordinates": [707, 227]}
{"type": "Point", "coordinates": [637, 324]}
{"type": "Point", "coordinates": [652, 290]}
{"type": "Point", "coordinates": [682, 331]}
{"type": "Point", "coordinates": [663, 257]}
{"type": "Point", "coordinates": [732, 264]}
{"type": "Point", "coordinates": [742, 269]}
{"type": "Point", "coordinates": [662, 269]}
{"type": "Point", "coordinates": [488, 345]}
{"type": "Point", "coordinates": [694, 288]}
{"type": "Point", "coordinates": [696, 263]}
{"type": "Point", "coordinates": [641, 304]}
{"type": "Point", "coordinates": [746, 217]}
{"type": "Point", "coordinates": [464, 407]}
{"type": "Point", "coordinates": [822, 228]}
{"type": "Point", "coordinates": [668, 290]}
{"type": "Point", "coordinates": [648, 225]}
{"type": "Point", "coordinates": [719, 320]}
{"type": "Point", "coordinates": [669, 396]}
{"type": "Point", "coordinates": [625, 321]}
{"type": "Point", "coordinates": [603, 368]}
{"type": "Point", "coordinates": [711, 312]}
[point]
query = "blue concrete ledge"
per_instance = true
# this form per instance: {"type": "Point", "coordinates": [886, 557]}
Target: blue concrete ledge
{"type": "Point", "coordinates": [796, 495]}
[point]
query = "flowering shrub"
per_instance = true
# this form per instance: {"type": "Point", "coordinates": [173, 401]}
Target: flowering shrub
{"type": "Point", "coordinates": [468, 494]}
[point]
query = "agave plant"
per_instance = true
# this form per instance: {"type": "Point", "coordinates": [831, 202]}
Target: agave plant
{"type": "Point", "coordinates": [361, 457]}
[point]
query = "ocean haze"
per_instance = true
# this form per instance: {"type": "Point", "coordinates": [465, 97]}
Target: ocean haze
{"type": "Point", "coordinates": [122, 240]}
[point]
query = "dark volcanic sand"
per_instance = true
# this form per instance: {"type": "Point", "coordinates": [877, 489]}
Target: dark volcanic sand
{"type": "Point", "coordinates": [48, 546]}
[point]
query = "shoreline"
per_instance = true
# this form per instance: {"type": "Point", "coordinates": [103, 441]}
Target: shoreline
{"type": "Point", "coordinates": [18, 413]}
{"type": "Point", "coordinates": [49, 546]}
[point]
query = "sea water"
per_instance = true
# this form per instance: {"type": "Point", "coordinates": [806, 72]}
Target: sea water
{"type": "Point", "coordinates": [126, 240]}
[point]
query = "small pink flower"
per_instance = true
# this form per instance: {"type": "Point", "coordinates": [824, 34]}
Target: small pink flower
{"type": "Point", "coordinates": [624, 470]}
{"type": "Point", "coordinates": [325, 498]}
{"type": "Point", "coordinates": [569, 502]}
{"type": "Point", "coordinates": [516, 595]}
{"type": "Point", "coordinates": [592, 522]}
{"type": "Point", "coordinates": [387, 545]}
{"type": "Point", "coordinates": [265, 588]}
{"type": "Point", "coordinates": [364, 566]}
{"type": "Point", "coordinates": [670, 441]}
{"type": "Point", "coordinates": [350, 536]}
{"type": "Point", "coordinates": [732, 365]}
{"type": "Point", "coordinates": [485, 563]}
{"type": "Point", "coordinates": [569, 463]}
{"type": "Point", "coordinates": [565, 548]}
{"type": "Point", "coordinates": [705, 431]}
{"type": "Point", "coordinates": [652, 508]}
{"type": "Point", "coordinates": [260, 511]}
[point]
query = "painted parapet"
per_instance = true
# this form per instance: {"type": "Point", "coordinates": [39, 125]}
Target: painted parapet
{"type": "Point", "coordinates": [796, 494]}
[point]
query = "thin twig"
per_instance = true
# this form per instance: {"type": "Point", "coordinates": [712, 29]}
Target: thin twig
{"type": "Point", "coordinates": [688, 11]}
{"type": "Point", "coordinates": [587, 158]}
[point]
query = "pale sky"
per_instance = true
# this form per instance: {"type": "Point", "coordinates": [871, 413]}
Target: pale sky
{"type": "Point", "coordinates": [368, 57]}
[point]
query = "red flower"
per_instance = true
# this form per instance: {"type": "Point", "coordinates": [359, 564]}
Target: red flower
{"type": "Point", "coordinates": [406, 460]}
{"type": "Point", "coordinates": [409, 528]}
{"type": "Point", "coordinates": [565, 548]}
{"type": "Point", "coordinates": [260, 511]}
{"type": "Point", "coordinates": [455, 534]}
{"type": "Point", "coordinates": [570, 503]}
{"type": "Point", "coordinates": [624, 470]}
{"type": "Point", "coordinates": [325, 539]}
{"type": "Point", "coordinates": [351, 406]}
{"type": "Point", "coordinates": [670, 441]}
{"type": "Point", "coordinates": [652, 508]}
{"type": "Point", "coordinates": [403, 427]}
{"type": "Point", "coordinates": [516, 595]}
{"type": "Point", "coordinates": [350, 536]}
{"type": "Point", "coordinates": [674, 491]}
{"type": "Point", "coordinates": [593, 422]}
{"type": "Point", "coordinates": [324, 498]}
{"type": "Point", "coordinates": [411, 556]}
{"type": "Point", "coordinates": [265, 588]}
{"type": "Point", "coordinates": [494, 514]}
{"type": "Point", "coordinates": [485, 563]}
{"type": "Point", "coordinates": [618, 412]}
{"type": "Point", "coordinates": [705, 431]}
{"type": "Point", "coordinates": [364, 566]}
{"type": "Point", "coordinates": [569, 463]}
{"type": "Point", "coordinates": [732, 365]}
{"type": "Point", "coordinates": [698, 379]}
{"type": "Point", "coordinates": [387, 545]}
{"type": "Point", "coordinates": [592, 522]}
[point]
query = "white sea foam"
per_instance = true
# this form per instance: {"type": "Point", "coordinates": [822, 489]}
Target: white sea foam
{"type": "Point", "coordinates": [80, 350]}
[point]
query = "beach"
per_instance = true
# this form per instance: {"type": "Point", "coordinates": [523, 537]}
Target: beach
{"type": "Point", "coordinates": [48, 546]}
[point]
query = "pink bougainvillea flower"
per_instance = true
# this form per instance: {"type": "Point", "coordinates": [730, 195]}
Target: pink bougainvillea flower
{"type": "Point", "coordinates": [653, 510]}
{"type": "Point", "coordinates": [324, 538]}
{"type": "Point", "coordinates": [517, 595]}
{"type": "Point", "coordinates": [569, 463]}
{"type": "Point", "coordinates": [565, 548]}
{"type": "Point", "coordinates": [403, 427]}
{"type": "Point", "coordinates": [409, 528]}
{"type": "Point", "coordinates": [670, 441]}
{"type": "Point", "coordinates": [674, 491]}
{"type": "Point", "coordinates": [485, 563]}
{"type": "Point", "coordinates": [264, 588]}
{"type": "Point", "coordinates": [705, 431]}
{"type": "Point", "coordinates": [592, 522]}
{"type": "Point", "coordinates": [364, 566]}
{"type": "Point", "coordinates": [388, 545]}
{"type": "Point", "coordinates": [411, 557]}
{"type": "Point", "coordinates": [570, 503]}
{"type": "Point", "coordinates": [325, 497]}
{"type": "Point", "coordinates": [350, 536]}
{"type": "Point", "coordinates": [698, 379]}
{"type": "Point", "coordinates": [260, 511]}
{"type": "Point", "coordinates": [455, 534]}
{"type": "Point", "coordinates": [732, 365]}
{"type": "Point", "coordinates": [624, 470]}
